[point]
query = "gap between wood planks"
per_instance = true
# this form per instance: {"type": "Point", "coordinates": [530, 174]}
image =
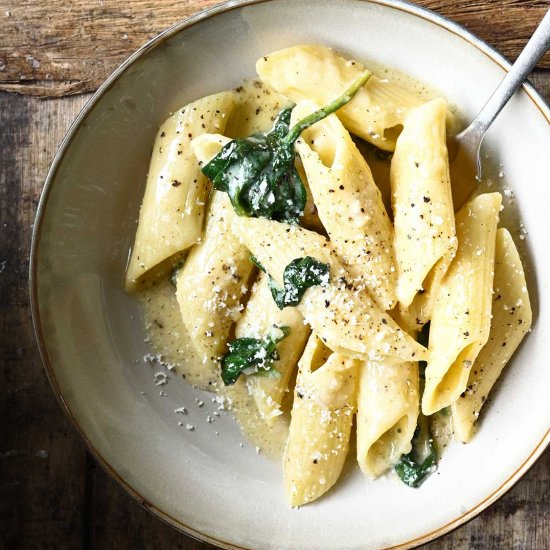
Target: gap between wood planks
{"type": "Point", "coordinates": [54, 48]}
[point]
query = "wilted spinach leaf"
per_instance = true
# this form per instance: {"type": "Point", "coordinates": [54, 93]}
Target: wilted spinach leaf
{"type": "Point", "coordinates": [299, 275]}
{"type": "Point", "coordinates": [258, 172]}
{"type": "Point", "coordinates": [410, 470]}
{"type": "Point", "coordinates": [251, 355]}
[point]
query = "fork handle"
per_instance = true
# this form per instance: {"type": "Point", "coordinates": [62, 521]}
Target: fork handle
{"type": "Point", "coordinates": [537, 46]}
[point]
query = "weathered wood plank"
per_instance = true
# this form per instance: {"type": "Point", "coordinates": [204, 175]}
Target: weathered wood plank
{"type": "Point", "coordinates": [42, 463]}
{"type": "Point", "coordinates": [541, 81]}
{"type": "Point", "coordinates": [52, 48]}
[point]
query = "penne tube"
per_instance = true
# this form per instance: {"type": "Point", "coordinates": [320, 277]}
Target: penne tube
{"type": "Point", "coordinates": [425, 236]}
{"type": "Point", "coordinates": [171, 218]}
{"type": "Point", "coordinates": [387, 413]}
{"type": "Point", "coordinates": [315, 72]}
{"type": "Point", "coordinates": [260, 315]}
{"type": "Point", "coordinates": [210, 285]}
{"type": "Point", "coordinates": [322, 416]}
{"type": "Point", "coordinates": [511, 321]}
{"type": "Point", "coordinates": [349, 204]}
{"type": "Point", "coordinates": [207, 146]}
{"type": "Point", "coordinates": [257, 105]}
{"type": "Point", "coordinates": [461, 316]}
{"type": "Point", "coordinates": [345, 318]}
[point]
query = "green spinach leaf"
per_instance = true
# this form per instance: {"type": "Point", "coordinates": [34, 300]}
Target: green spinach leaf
{"type": "Point", "coordinates": [410, 469]}
{"type": "Point", "coordinates": [251, 355]}
{"type": "Point", "coordinates": [257, 263]}
{"type": "Point", "coordinates": [276, 291]}
{"type": "Point", "coordinates": [299, 275]}
{"type": "Point", "coordinates": [258, 172]}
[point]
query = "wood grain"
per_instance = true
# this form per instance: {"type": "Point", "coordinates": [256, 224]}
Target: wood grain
{"type": "Point", "coordinates": [42, 464]}
{"type": "Point", "coordinates": [57, 48]}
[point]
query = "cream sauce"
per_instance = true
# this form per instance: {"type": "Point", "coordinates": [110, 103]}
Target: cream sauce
{"type": "Point", "coordinates": [168, 336]}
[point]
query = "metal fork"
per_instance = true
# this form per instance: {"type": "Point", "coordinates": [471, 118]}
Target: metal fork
{"type": "Point", "coordinates": [464, 149]}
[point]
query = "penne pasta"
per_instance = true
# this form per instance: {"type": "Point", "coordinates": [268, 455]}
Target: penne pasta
{"type": "Point", "coordinates": [171, 218]}
{"type": "Point", "coordinates": [425, 236]}
{"type": "Point", "coordinates": [210, 285]}
{"type": "Point", "coordinates": [322, 416]}
{"type": "Point", "coordinates": [511, 321]}
{"type": "Point", "coordinates": [462, 313]}
{"type": "Point", "coordinates": [346, 319]}
{"type": "Point", "coordinates": [387, 413]}
{"type": "Point", "coordinates": [260, 315]}
{"type": "Point", "coordinates": [256, 107]}
{"type": "Point", "coordinates": [207, 146]}
{"type": "Point", "coordinates": [349, 204]}
{"type": "Point", "coordinates": [335, 253]}
{"type": "Point", "coordinates": [314, 72]}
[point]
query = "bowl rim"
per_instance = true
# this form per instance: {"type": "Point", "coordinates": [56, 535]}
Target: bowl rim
{"type": "Point", "coordinates": [402, 5]}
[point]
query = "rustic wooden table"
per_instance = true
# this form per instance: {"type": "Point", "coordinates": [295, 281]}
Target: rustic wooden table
{"type": "Point", "coordinates": [53, 54]}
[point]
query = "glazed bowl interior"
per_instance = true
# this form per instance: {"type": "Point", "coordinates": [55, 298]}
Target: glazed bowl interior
{"type": "Point", "coordinates": [92, 334]}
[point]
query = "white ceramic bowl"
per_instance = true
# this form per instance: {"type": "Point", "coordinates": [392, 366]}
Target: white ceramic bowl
{"type": "Point", "coordinates": [91, 333]}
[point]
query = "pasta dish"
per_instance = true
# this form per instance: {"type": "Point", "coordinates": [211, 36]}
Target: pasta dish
{"type": "Point", "coordinates": [303, 229]}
